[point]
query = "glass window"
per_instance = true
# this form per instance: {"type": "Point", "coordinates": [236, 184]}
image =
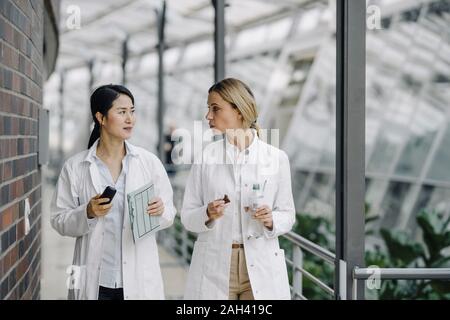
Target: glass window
{"type": "Point", "coordinates": [392, 203]}
{"type": "Point", "coordinates": [299, 179]}
{"type": "Point", "coordinates": [424, 128]}
{"type": "Point", "coordinates": [440, 167]}
{"type": "Point", "coordinates": [375, 191]}
{"type": "Point", "coordinates": [319, 198]}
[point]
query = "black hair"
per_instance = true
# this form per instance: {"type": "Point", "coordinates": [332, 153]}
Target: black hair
{"type": "Point", "coordinates": [101, 101]}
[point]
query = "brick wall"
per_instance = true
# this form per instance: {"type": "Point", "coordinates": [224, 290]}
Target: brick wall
{"type": "Point", "coordinates": [22, 74]}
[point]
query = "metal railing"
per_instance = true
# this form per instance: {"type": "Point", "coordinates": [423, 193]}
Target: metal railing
{"type": "Point", "coordinates": [301, 244]}
{"type": "Point", "coordinates": [363, 274]}
{"type": "Point", "coordinates": [181, 242]}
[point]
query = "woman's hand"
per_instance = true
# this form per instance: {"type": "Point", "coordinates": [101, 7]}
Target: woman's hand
{"type": "Point", "coordinates": [156, 207]}
{"type": "Point", "coordinates": [215, 210]}
{"type": "Point", "coordinates": [95, 208]}
{"type": "Point", "coordinates": [264, 214]}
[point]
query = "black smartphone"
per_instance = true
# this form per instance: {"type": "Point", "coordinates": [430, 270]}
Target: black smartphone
{"type": "Point", "coordinates": [108, 193]}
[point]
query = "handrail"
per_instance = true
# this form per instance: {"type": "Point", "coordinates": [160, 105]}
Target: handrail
{"type": "Point", "coordinates": [397, 274]}
{"type": "Point", "coordinates": [299, 242]}
{"type": "Point", "coordinates": [402, 273]}
{"type": "Point", "coordinates": [359, 274]}
{"type": "Point", "coordinates": [311, 247]}
{"type": "Point", "coordinates": [311, 277]}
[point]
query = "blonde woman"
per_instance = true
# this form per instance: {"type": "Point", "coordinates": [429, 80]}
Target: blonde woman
{"type": "Point", "coordinates": [237, 254]}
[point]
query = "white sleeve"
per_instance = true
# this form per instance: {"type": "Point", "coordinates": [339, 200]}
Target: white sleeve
{"type": "Point", "coordinates": [283, 213]}
{"type": "Point", "coordinates": [162, 182]}
{"type": "Point", "coordinates": [68, 216]}
{"type": "Point", "coordinates": [193, 213]}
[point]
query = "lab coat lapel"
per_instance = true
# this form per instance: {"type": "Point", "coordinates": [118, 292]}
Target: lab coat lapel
{"type": "Point", "coordinates": [93, 170]}
{"type": "Point", "coordinates": [95, 177]}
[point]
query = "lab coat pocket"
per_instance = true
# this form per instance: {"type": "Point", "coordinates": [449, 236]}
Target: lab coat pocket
{"type": "Point", "coordinates": [194, 282]}
{"type": "Point", "coordinates": [269, 188]}
{"type": "Point", "coordinates": [281, 276]}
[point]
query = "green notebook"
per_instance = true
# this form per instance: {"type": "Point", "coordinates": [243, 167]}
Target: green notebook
{"type": "Point", "coordinates": [141, 222]}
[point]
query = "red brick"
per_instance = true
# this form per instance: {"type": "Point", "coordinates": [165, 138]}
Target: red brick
{"type": "Point", "coordinates": [22, 81]}
{"type": "Point", "coordinates": [7, 262]}
{"type": "Point", "coordinates": [21, 268]}
{"type": "Point", "coordinates": [20, 229]}
{"type": "Point", "coordinates": [7, 171]}
{"type": "Point", "coordinates": [7, 218]}
{"type": "Point", "coordinates": [15, 254]}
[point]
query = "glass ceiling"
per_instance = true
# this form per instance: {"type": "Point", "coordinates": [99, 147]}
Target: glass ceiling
{"type": "Point", "coordinates": [188, 58]}
{"type": "Point", "coordinates": [104, 27]}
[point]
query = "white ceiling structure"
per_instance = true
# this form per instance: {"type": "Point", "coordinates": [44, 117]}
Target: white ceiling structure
{"type": "Point", "coordinates": [95, 31]}
{"type": "Point", "coordinates": [104, 25]}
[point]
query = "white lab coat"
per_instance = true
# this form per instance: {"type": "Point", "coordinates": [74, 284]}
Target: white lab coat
{"type": "Point", "coordinates": [78, 182]}
{"type": "Point", "coordinates": [209, 271]}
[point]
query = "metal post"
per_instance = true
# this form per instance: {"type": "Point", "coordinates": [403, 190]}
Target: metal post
{"type": "Point", "coordinates": [124, 60]}
{"type": "Point", "coordinates": [297, 276]}
{"type": "Point", "coordinates": [350, 140]}
{"type": "Point", "coordinates": [91, 75]}
{"type": "Point", "coordinates": [219, 39]}
{"type": "Point", "coordinates": [61, 121]}
{"type": "Point", "coordinates": [355, 289]}
{"type": "Point", "coordinates": [184, 245]}
{"type": "Point", "coordinates": [161, 103]}
{"type": "Point", "coordinates": [89, 121]}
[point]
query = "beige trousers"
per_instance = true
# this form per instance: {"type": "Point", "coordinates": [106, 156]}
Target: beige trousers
{"type": "Point", "coordinates": [240, 288]}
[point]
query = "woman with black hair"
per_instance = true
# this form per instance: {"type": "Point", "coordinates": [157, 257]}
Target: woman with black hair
{"type": "Point", "coordinates": [107, 264]}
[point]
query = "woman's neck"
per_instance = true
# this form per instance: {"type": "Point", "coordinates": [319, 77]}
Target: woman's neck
{"type": "Point", "coordinates": [111, 149]}
{"type": "Point", "coordinates": [241, 138]}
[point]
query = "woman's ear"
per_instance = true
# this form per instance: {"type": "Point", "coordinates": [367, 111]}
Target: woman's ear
{"type": "Point", "coordinates": [99, 117]}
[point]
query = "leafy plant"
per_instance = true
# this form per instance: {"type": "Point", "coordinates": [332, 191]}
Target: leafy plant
{"type": "Point", "coordinates": [320, 231]}
{"type": "Point", "coordinates": [399, 250]}
{"type": "Point", "coordinates": [404, 252]}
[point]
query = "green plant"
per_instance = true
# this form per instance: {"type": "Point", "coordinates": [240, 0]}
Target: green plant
{"type": "Point", "coordinates": [399, 251]}
{"type": "Point", "coordinates": [320, 231]}
{"type": "Point", "coordinates": [404, 252]}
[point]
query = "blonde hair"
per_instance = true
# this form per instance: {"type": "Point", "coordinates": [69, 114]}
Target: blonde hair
{"type": "Point", "coordinates": [239, 95]}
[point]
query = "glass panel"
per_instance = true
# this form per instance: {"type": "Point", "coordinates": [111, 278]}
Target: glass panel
{"type": "Point", "coordinates": [439, 169]}
{"type": "Point", "coordinates": [392, 203]}
{"type": "Point", "coordinates": [319, 195]}
{"type": "Point", "coordinates": [309, 131]}
{"type": "Point", "coordinates": [424, 129]}
{"type": "Point", "coordinates": [299, 179]}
